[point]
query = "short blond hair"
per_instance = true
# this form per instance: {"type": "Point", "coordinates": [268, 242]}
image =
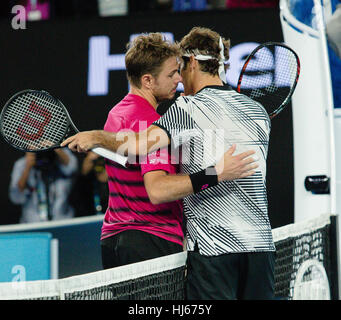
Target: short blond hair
{"type": "Point", "coordinates": [146, 54]}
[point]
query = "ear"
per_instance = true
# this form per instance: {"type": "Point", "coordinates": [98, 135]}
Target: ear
{"type": "Point", "coordinates": [193, 62]}
{"type": "Point", "coordinates": [147, 81]}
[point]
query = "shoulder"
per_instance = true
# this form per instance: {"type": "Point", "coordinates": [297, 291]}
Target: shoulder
{"type": "Point", "coordinates": [184, 103]}
{"type": "Point", "coordinates": [20, 162]}
{"type": "Point", "coordinates": [115, 121]}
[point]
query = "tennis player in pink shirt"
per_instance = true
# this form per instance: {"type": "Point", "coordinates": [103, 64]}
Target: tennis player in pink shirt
{"type": "Point", "coordinates": [132, 223]}
{"type": "Point", "coordinates": [135, 229]}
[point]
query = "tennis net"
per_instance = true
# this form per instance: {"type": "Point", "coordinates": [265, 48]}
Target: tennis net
{"type": "Point", "coordinates": [306, 268]}
{"type": "Point", "coordinates": [306, 260]}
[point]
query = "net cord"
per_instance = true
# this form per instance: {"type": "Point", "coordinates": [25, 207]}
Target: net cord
{"type": "Point", "coordinates": [58, 288]}
{"type": "Point", "coordinates": [298, 228]}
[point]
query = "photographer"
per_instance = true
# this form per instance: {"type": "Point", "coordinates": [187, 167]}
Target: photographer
{"type": "Point", "coordinates": [41, 183]}
{"type": "Point", "coordinates": [90, 192]}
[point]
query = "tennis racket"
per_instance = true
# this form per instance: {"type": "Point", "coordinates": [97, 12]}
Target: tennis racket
{"type": "Point", "coordinates": [270, 75]}
{"type": "Point", "coordinates": [34, 121]}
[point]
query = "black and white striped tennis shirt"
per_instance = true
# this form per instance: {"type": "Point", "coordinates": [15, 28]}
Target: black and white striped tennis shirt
{"type": "Point", "coordinates": [232, 216]}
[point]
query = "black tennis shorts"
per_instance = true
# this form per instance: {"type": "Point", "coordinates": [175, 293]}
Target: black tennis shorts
{"type": "Point", "coordinates": [133, 246]}
{"type": "Point", "coordinates": [233, 276]}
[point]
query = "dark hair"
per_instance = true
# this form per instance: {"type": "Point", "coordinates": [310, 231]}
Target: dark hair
{"type": "Point", "coordinates": [205, 41]}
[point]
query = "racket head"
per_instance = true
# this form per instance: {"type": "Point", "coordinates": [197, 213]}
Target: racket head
{"type": "Point", "coordinates": [269, 76]}
{"type": "Point", "coordinates": [33, 121]}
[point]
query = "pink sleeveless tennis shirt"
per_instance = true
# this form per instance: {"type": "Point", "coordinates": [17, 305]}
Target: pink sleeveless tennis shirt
{"type": "Point", "coordinates": [129, 205]}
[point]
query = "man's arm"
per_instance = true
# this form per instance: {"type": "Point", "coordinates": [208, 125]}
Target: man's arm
{"type": "Point", "coordinates": [163, 187]}
{"type": "Point", "coordinates": [30, 161]}
{"type": "Point", "coordinates": [63, 157]}
{"type": "Point", "coordinates": [174, 187]}
{"type": "Point", "coordinates": [124, 143]}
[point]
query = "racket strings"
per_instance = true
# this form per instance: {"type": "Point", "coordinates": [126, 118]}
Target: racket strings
{"type": "Point", "coordinates": [270, 76]}
{"type": "Point", "coordinates": [34, 121]}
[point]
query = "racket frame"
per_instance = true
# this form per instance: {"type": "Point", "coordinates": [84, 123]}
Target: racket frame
{"type": "Point", "coordinates": [292, 89]}
{"type": "Point", "coordinates": [70, 124]}
{"type": "Point", "coordinates": [122, 160]}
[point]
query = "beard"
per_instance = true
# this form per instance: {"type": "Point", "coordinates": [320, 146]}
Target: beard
{"type": "Point", "coordinates": [160, 98]}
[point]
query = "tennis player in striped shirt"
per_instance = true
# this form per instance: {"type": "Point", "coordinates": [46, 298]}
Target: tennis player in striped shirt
{"type": "Point", "coordinates": [229, 238]}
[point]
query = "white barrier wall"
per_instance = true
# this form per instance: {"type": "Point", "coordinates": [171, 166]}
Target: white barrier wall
{"type": "Point", "coordinates": [312, 111]}
{"type": "Point", "coordinates": [78, 242]}
{"type": "Point", "coordinates": [337, 128]}
{"type": "Point", "coordinates": [316, 130]}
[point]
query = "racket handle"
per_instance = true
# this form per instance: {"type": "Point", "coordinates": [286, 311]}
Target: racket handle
{"type": "Point", "coordinates": [111, 155]}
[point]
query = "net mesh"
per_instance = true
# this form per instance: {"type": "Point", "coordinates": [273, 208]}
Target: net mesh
{"type": "Point", "coordinates": [168, 285]}
{"type": "Point", "coordinates": [33, 120]}
{"type": "Point", "coordinates": [297, 243]}
{"type": "Point", "coordinates": [163, 278]}
{"type": "Point", "coordinates": [157, 279]}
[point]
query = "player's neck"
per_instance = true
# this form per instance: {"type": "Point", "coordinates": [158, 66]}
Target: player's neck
{"type": "Point", "coordinates": [144, 94]}
{"type": "Point", "coordinates": [203, 80]}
